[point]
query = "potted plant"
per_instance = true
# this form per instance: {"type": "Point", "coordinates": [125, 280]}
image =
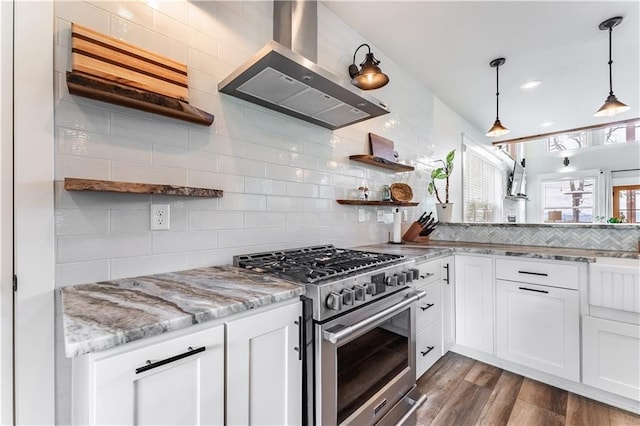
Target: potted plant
{"type": "Point", "coordinates": [443, 209]}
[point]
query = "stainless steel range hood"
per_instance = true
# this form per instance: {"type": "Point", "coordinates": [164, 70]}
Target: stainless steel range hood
{"type": "Point", "coordinates": [283, 75]}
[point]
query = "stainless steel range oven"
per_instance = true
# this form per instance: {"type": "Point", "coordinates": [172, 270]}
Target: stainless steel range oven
{"type": "Point", "coordinates": [360, 346]}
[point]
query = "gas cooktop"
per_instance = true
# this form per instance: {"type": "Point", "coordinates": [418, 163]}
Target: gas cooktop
{"type": "Point", "coordinates": [314, 264]}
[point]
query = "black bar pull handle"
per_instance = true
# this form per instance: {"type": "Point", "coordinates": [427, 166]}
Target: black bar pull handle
{"type": "Point", "coordinates": [151, 365]}
{"type": "Point", "coordinates": [534, 289]}
{"type": "Point", "coordinates": [300, 342]}
{"type": "Point", "coordinates": [541, 274]}
{"type": "Point", "coordinates": [446, 280]}
{"type": "Point", "coordinates": [429, 349]}
{"type": "Point", "coordinates": [424, 308]}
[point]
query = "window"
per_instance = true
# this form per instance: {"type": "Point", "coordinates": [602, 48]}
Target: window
{"type": "Point", "coordinates": [625, 132]}
{"type": "Point", "coordinates": [567, 141]}
{"type": "Point", "coordinates": [484, 187]}
{"type": "Point", "coordinates": [625, 205]}
{"type": "Point", "coordinates": [568, 200]}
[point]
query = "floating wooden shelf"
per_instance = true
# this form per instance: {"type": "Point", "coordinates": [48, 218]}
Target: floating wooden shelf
{"type": "Point", "coordinates": [381, 162]}
{"type": "Point", "coordinates": [516, 197]}
{"type": "Point", "coordinates": [74, 184]}
{"type": "Point", "coordinates": [376, 203]}
{"type": "Point", "coordinates": [108, 91]}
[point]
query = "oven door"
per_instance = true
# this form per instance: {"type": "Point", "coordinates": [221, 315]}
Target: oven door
{"type": "Point", "coordinates": [366, 360]}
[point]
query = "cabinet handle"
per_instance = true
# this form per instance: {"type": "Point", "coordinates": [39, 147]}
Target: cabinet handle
{"type": "Point", "coordinates": [446, 280]}
{"type": "Point", "coordinates": [429, 349]}
{"type": "Point", "coordinates": [533, 289]}
{"type": "Point", "coordinates": [299, 348]}
{"type": "Point", "coordinates": [151, 365]}
{"type": "Point", "coordinates": [541, 274]}
{"type": "Point", "coordinates": [424, 308]}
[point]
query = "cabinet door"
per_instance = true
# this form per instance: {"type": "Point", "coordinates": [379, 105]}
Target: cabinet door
{"type": "Point", "coordinates": [429, 308]}
{"type": "Point", "coordinates": [264, 373]}
{"type": "Point", "coordinates": [428, 349]}
{"type": "Point", "coordinates": [187, 390]}
{"type": "Point", "coordinates": [448, 305]}
{"type": "Point", "coordinates": [538, 326]}
{"type": "Point", "coordinates": [610, 355]}
{"type": "Point", "coordinates": [474, 302]}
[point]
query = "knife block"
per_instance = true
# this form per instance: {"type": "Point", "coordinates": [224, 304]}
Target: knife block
{"type": "Point", "coordinates": [413, 234]}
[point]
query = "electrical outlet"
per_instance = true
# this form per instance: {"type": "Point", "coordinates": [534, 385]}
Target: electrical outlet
{"type": "Point", "coordinates": [361, 215]}
{"type": "Point", "coordinates": [405, 215]}
{"type": "Point", "coordinates": [159, 217]}
{"type": "Point", "coordinates": [380, 217]}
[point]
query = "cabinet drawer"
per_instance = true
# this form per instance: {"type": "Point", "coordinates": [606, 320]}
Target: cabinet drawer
{"type": "Point", "coordinates": [538, 272]}
{"type": "Point", "coordinates": [429, 308]}
{"type": "Point", "coordinates": [429, 272]}
{"type": "Point", "coordinates": [614, 287]}
{"type": "Point", "coordinates": [428, 348]}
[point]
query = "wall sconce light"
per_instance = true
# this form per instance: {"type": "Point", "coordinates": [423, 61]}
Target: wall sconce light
{"type": "Point", "coordinates": [369, 76]}
{"type": "Point", "coordinates": [565, 161]}
{"type": "Point", "coordinates": [612, 105]}
{"type": "Point", "coordinates": [497, 129]}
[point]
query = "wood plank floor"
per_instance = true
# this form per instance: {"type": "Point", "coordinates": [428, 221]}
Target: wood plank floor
{"type": "Point", "coordinates": [461, 391]}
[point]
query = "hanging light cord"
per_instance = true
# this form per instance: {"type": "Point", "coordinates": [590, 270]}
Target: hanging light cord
{"type": "Point", "coordinates": [497, 92]}
{"type": "Point", "coordinates": [610, 62]}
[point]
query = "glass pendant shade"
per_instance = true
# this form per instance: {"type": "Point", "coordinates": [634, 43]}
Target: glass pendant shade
{"type": "Point", "coordinates": [497, 130]}
{"type": "Point", "coordinates": [611, 107]}
{"type": "Point", "coordinates": [369, 76]}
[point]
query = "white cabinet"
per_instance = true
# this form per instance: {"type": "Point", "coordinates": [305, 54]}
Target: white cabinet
{"type": "Point", "coordinates": [474, 302]}
{"type": "Point", "coordinates": [538, 326]}
{"type": "Point", "coordinates": [172, 382]}
{"type": "Point", "coordinates": [428, 317]}
{"type": "Point", "coordinates": [264, 373]}
{"type": "Point", "coordinates": [611, 356]}
{"type": "Point", "coordinates": [448, 304]}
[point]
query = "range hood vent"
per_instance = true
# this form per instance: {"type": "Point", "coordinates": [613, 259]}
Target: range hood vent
{"type": "Point", "coordinates": [281, 79]}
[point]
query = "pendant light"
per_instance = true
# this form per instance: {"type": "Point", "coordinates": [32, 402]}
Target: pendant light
{"type": "Point", "coordinates": [497, 129]}
{"type": "Point", "coordinates": [612, 105]}
{"type": "Point", "coordinates": [369, 76]}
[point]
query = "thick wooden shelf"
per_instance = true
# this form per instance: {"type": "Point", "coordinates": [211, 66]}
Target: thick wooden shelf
{"type": "Point", "coordinates": [376, 203]}
{"type": "Point", "coordinates": [74, 184]}
{"type": "Point", "coordinates": [381, 162]}
{"type": "Point", "coordinates": [104, 90]}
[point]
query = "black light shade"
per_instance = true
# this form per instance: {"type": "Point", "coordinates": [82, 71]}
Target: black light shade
{"type": "Point", "coordinates": [369, 76]}
{"type": "Point", "coordinates": [497, 129]}
{"type": "Point", "coordinates": [612, 105]}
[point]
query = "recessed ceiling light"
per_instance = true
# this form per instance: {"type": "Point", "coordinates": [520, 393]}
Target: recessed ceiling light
{"type": "Point", "coordinates": [531, 84]}
{"type": "Point", "coordinates": [547, 123]}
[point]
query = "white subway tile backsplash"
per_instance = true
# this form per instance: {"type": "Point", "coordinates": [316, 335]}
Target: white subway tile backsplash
{"type": "Point", "coordinates": [83, 248]}
{"type": "Point", "coordinates": [155, 131]}
{"type": "Point", "coordinates": [284, 204]}
{"type": "Point", "coordinates": [81, 167]}
{"type": "Point", "coordinates": [143, 173]}
{"type": "Point", "coordinates": [81, 222]}
{"type": "Point", "coordinates": [265, 220]}
{"type": "Point", "coordinates": [178, 242]}
{"type": "Point", "coordinates": [318, 205]}
{"type": "Point", "coordinates": [98, 145]}
{"type": "Point", "coordinates": [213, 142]}
{"type": "Point", "coordinates": [295, 189]}
{"type": "Point", "coordinates": [82, 116]}
{"type": "Point", "coordinates": [148, 39]}
{"type": "Point", "coordinates": [251, 237]}
{"type": "Point", "coordinates": [243, 202]}
{"type": "Point", "coordinates": [85, 200]}
{"type": "Point", "coordinates": [312, 176]}
{"type": "Point", "coordinates": [207, 219]}
{"type": "Point", "coordinates": [228, 183]}
{"type": "Point", "coordinates": [202, 16]}
{"type": "Point", "coordinates": [171, 156]}
{"type": "Point", "coordinates": [132, 11]}
{"type": "Point", "coordinates": [170, 27]}
{"type": "Point", "coordinates": [126, 221]}
{"type": "Point", "coordinates": [270, 155]}
{"type": "Point", "coordinates": [326, 191]}
{"type": "Point", "coordinates": [146, 265]}
{"type": "Point", "coordinates": [276, 122]}
{"type": "Point", "coordinates": [176, 9]}
{"type": "Point", "coordinates": [279, 172]}
{"type": "Point", "coordinates": [240, 166]}
{"type": "Point", "coordinates": [81, 272]}
{"type": "Point", "coordinates": [265, 186]}
{"type": "Point", "coordinates": [83, 13]}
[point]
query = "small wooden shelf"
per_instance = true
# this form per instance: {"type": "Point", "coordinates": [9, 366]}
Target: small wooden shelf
{"type": "Point", "coordinates": [100, 89]}
{"type": "Point", "coordinates": [516, 197]}
{"type": "Point", "coordinates": [381, 162]}
{"type": "Point", "coordinates": [75, 184]}
{"type": "Point", "coordinates": [376, 203]}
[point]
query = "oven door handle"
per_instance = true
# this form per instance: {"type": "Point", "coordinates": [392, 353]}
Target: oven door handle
{"type": "Point", "coordinates": [345, 331]}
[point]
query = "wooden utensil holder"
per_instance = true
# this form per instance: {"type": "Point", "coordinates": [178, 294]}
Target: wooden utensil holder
{"type": "Point", "coordinates": [413, 234]}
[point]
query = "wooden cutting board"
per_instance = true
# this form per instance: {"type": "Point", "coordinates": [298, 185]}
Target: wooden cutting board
{"type": "Point", "coordinates": [106, 57]}
{"type": "Point", "coordinates": [381, 147]}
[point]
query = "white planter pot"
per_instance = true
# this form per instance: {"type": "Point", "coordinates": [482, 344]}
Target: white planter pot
{"type": "Point", "coordinates": [444, 212]}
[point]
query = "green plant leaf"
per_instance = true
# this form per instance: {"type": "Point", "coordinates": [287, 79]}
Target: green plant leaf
{"type": "Point", "coordinates": [430, 188]}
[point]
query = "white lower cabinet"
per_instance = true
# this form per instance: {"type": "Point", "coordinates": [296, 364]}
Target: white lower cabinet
{"type": "Point", "coordinates": [611, 356]}
{"type": "Point", "coordinates": [474, 302]}
{"type": "Point", "coordinates": [538, 327]}
{"type": "Point", "coordinates": [175, 382]}
{"type": "Point", "coordinates": [448, 305]}
{"type": "Point", "coordinates": [428, 347]}
{"type": "Point", "coordinates": [428, 316]}
{"type": "Point", "coordinates": [264, 373]}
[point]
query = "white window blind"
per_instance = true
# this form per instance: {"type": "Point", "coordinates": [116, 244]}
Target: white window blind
{"type": "Point", "coordinates": [484, 187]}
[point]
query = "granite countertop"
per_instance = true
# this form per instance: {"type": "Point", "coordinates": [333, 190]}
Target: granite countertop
{"type": "Point", "coordinates": [437, 248]}
{"type": "Point", "coordinates": [106, 314]}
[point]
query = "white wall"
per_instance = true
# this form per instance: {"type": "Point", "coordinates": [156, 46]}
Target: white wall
{"type": "Point", "coordinates": [6, 212]}
{"type": "Point", "coordinates": [280, 176]}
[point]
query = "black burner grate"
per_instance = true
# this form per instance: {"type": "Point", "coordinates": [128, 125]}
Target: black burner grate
{"type": "Point", "coordinates": [313, 264]}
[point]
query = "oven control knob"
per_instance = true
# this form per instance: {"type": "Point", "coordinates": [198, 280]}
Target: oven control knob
{"type": "Point", "coordinates": [360, 293]}
{"type": "Point", "coordinates": [375, 288]}
{"type": "Point", "coordinates": [392, 280]}
{"type": "Point", "coordinates": [334, 301]}
{"type": "Point", "coordinates": [416, 273]}
{"type": "Point", "coordinates": [347, 296]}
{"type": "Point", "coordinates": [409, 275]}
{"type": "Point", "coordinates": [402, 278]}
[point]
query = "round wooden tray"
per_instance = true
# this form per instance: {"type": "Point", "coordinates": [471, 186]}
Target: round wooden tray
{"type": "Point", "coordinates": [401, 192]}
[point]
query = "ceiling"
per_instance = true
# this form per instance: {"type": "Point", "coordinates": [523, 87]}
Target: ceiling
{"type": "Point", "coordinates": [447, 46]}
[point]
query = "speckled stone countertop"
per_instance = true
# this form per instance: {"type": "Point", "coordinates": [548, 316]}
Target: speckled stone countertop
{"type": "Point", "coordinates": [106, 314]}
{"type": "Point", "coordinates": [437, 248]}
